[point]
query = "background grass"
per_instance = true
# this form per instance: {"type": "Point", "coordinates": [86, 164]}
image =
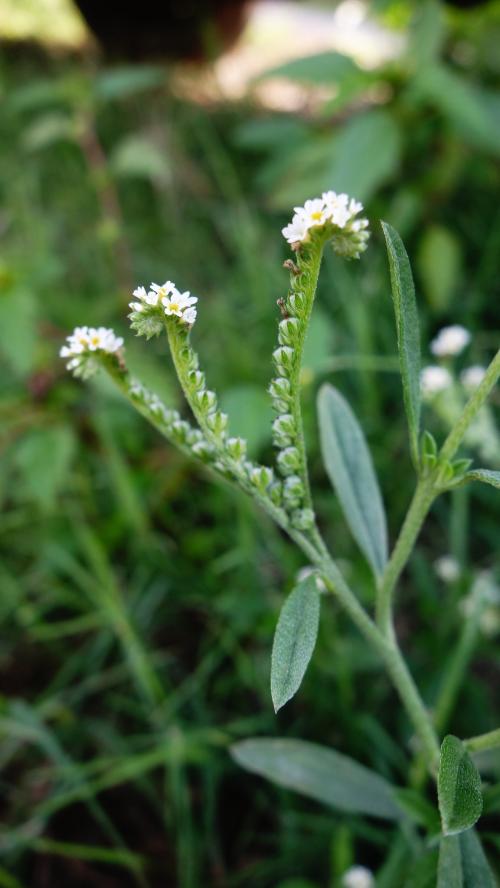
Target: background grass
{"type": "Point", "coordinates": [138, 600]}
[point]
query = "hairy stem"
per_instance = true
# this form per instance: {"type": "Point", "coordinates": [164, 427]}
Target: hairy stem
{"type": "Point", "coordinates": [491, 740]}
{"type": "Point", "coordinates": [470, 410]}
{"type": "Point", "coordinates": [420, 505]}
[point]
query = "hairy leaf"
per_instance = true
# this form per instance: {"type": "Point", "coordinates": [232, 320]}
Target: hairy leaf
{"type": "Point", "coordinates": [487, 476]}
{"type": "Point", "coordinates": [294, 641]}
{"type": "Point", "coordinates": [319, 773]}
{"type": "Point", "coordinates": [459, 787]}
{"type": "Point", "coordinates": [405, 308]}
{"type": "Point", "coordinates": [350, 469]}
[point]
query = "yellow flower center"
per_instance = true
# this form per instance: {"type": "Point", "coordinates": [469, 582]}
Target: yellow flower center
{"type": "Point", "coordinates": [174, 306]}
{"type": "Point", "coordinates": [95, 340]}
{"type": "Point", "coordinates": [316, 216]}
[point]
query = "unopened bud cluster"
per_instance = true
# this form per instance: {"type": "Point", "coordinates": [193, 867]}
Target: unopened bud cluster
{"type": "Point", "coordinates": [179, 430]}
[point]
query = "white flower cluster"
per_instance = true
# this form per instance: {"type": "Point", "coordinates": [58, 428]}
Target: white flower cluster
{"type": "Point", "coordinates": [447, 568]}
{"type": "Point", "coordinates": [145, 315]}
{"type": "Point", "coordinates": [450, 341]}
{"type": "Point", "coordinates": [82, 346]}
{"type": "Point", "coordinates": [337, 214]}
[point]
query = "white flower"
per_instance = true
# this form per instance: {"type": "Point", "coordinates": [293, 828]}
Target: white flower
{"type": "Point", "coordinates": [447, 568]}
{"type": "Point", "coordinates": [473, 376]}
{"type": "Point", "coordinates": [434, 379]}
{"type": "Point", "coordinates": [358, 877]}
{"type": "Point", "coordinates": [83, 342]}
{"type": "Point", "coordinates": [159, 292]}
{"type": "Point", "coordinates": [337, 211]}
{"type": "Point", "coordinates": [178, 303]}
{"type": "Point", "coordinates": [296, 231]}
{"type": "Point", "coordinates": [450, 341]}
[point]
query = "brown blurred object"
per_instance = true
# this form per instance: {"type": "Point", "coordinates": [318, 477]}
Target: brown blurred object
{"type": "Point", "coordinates": [193, 30]}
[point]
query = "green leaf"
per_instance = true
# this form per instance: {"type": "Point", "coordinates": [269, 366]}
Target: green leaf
{"type": "Point", "coordinates": [476, 869]}
{"type": "Point", "coordinates": [294, 641]}
{"type": "Point", "coordinates": [127, 80]}
{"type": "Point", "coordinates": [463, 863]}
{"type": "Point", "coordinates": [487, 476]}
{"type": "Point", "coordinates": [319, 773]}
{"type": "Point", "coordinates": [459, 787]}
{"type": "Point", "coordinates": [373, 134]}
{"type": "Point", "coordinates": [450, 873]}
{"type": "Point", "coordinates": [405, 308]}
{"type": "Point", "coordinates": [350, 469]}
{"type": "Point", "coordinates": [321, 68]}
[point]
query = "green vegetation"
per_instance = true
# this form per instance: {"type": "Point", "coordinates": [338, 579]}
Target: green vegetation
{"type": "Point", "coordinates": [138, 601]}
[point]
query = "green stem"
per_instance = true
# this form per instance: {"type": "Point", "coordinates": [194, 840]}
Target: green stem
{"type": "Point", "coordinates": [304, 283]}
{"type": "Point", "coordinates": [491, 740]}
{"type": "Point", "coordinates": [470, 410]}
{"type": "Point", "coordinates": [391, 655]}
{"type": "Point", "coordinates": [420, 505]}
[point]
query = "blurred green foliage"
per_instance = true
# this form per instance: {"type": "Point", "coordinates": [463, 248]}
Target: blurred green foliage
{"type": "Point", "coordinates": [138, 601]}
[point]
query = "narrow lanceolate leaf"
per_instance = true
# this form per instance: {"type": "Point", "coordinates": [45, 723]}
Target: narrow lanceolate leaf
{"type": "Point", "coordinates": [487, 476]}
{"type": "Point", "coordinates": [405, 308]}
{"type": "Point", "coordinates": [319, 773]}
{"type": "Point", "coordinates": [294, 641]}
{"type": "Point", "coordinates": [459, 787]}
{"type": "Point", "coordinates": [450, 873]}
{"type": "Point", "coordinates": [350, 469]}
{"type": "Point", "coordinates": [463, 863]}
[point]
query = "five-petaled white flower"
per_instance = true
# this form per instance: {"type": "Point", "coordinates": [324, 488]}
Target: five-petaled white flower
{"type": "Point", "coordinates": [338, 211]}
{"type": "Point", "coordinates": [178, 304]}
{"type": "Point", "coordinates": [434, 379]}
{"type": "Point", "coordinates": [450, 341]}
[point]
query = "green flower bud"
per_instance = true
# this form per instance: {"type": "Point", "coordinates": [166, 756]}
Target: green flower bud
{"type": "Point", "coordinates": [303, 519]}
{"type": "Point", "coordinates": [280, 388]}
{"type": "Point", "coordinates": [180, 430]}
{"type": "Point", "coordinates": [217, 422]}
{"type": "Point", "coordinates": [293, 491]}
{"type": "Point", "coordinates": [288, 331]}
{"type": "Point", "coordinates": [203, 451]}
{"type": "Point", "coordinates": [275, 492]}
{"type": "Point", "coordinates": [197, 379]}
{"type": "Point", "coordinates": [296, 303]}
{"type": "Point", "coordinates": [261, 477]}
{"type": "Point", "coordinates": [283, 359]}
{"type": "Point", "coordinates": [289, 460]}
{"type": "Point", "coordinates": [237, 448]}
{"type": "Point", "coordinates": [206, 400]}
{"type": "Point", "coordinates": [284, 425]}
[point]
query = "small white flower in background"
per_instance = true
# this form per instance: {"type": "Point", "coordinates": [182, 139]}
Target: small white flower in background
{"type": "Point", "coordinates": [83, 342]}
{"type": "Point", "coordinates": [473, 376]}
{"type": "Point", "coordinates": [434, 379]}
{"type": "Point", "coordinates": [447, 568]}
{"type": "Point", "coordinates": [338, 211]}
{"type": "Point", "coordinates": [450, 341]}
{"type": "Point", "coordinates": [169, 298]}
{"type": "Point", "coordinates": [358, 877]}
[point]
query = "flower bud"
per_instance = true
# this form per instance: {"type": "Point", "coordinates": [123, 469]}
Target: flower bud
{"type": "Point", "coordinates": [275, 492]}
{"type": "Point", "coordinates": [288, 460]}
{"type": "Point", "coordinates": [293, 491]}
{"type": "Point", "coordinates": [303, 519]}
{"type": "Point", "coordinates": [261, 477]}
{"type": "Point", "coordinates": [280, 388]}
{"type": "Point", "coordinates": [202, 450]}
{"type": "Point", "coordinates": [180, 430]}
{"type": "Point", "coordinates": [189, 358]}
{"type": "Point", "coordinates": [237, 448]}
{"type": "Point", "coordinates": [288, 331]}
{"type": "Point", "coordinates": [284, 425]}
{"type": "Point", "coordinates": [283, 359]}
{"type": "Point", "coordinates": [194, 436]}
{"type": "Point", "coordinates": [197, 379]}
{"type": "Point", "coordinates": [296, 303]}
{"type": "Point", "coordinates": [206, 400]}
{"type": "Point", "coordinates": [217, 422]}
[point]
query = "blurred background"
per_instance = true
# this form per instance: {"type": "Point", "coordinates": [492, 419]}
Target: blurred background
{"type": "Point", "coordinates": [145, 141]}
